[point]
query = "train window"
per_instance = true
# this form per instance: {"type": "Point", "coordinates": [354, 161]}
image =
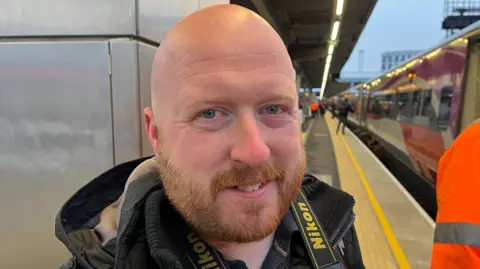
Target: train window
{"type": "Point", "coordinates": [427, 108]}
{"type": "Point", "coordinates": [389, 105]}
{"type": "Point", "coordinates": [444, 108]}
{"type": "Point", "coordinates": [403, 113]}
{"type": "Point", "coordinates": [376, 107]}
{"type": "Point", "coordinates": [417, 102]}
{"type": "Point", "coordinates": [382, 105]}
{"type": "Point", "coordinates": [422, 110]}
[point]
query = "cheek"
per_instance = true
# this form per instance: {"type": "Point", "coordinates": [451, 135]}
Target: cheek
{"type": "Point", "coordinates": [197, 153]}
{"type": "Point", "coordinates": [289, 135]}
{"type": "Point", "coordinates": [286, 146]}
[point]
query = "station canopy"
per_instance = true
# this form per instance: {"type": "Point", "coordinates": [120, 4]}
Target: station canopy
{"type": "Point", "coordinates": [320, 35]}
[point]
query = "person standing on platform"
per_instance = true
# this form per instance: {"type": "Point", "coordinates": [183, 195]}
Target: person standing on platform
{"type": "Point", "coordinates": [321, 108]}
{"type": "Point", "coordinates": [226, 187]}
{"type": "Point", "coordinates": [314, 108]}
{"type": "Point", "coordinates": [343, 111]}
{"type": "Point", "coordinates": [333, 107]}
{"type": "Point", "coordinates": [457, 233]}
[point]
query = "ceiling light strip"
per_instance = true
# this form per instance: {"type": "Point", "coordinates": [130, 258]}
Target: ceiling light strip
{"type": "Point", "coordinates": [331, 47]}
{"type": "Point", "coordinates": [339, 7]}
{"type": "Point", "coordinates": [336, 26]}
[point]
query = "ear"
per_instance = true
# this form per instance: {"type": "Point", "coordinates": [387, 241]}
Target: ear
{"type": "Point", "coordinates": [152, 130]}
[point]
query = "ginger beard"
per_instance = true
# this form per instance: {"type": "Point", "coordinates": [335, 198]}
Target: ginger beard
{"type": "Point", "coordinates": [244, 222]}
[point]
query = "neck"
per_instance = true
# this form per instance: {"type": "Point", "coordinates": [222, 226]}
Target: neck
{"type": "Point", "coordinates": [253, 254]}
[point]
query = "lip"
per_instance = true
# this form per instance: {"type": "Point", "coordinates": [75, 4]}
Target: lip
{"type": "Point", "coordinates": [251, 195]}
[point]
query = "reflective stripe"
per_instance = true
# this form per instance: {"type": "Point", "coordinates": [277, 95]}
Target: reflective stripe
{"type": "Point", "coordinates": [458, 233]}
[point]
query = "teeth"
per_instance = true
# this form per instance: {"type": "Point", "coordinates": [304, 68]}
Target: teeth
{"type": "Point", "coordinates": [250, 187]}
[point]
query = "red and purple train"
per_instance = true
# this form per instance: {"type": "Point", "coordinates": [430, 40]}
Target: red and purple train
{"type": "Point", "coordinates": [418, 108]}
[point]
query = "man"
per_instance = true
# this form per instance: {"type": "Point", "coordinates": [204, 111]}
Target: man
{"type": "Point", "coordinates": [223, 189]}
{"type": "Point", "coordinates": [333, 108]}
{"type": "Point", "coordinates": [457, 233]}
{"type": "Point", "coordinates": [314, 108]}
{"type": "Point", "coordinates": [321, 108]}
{"type": "Point", "coordinates": [343, 110]}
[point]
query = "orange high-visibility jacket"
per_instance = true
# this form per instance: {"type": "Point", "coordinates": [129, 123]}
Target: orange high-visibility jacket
{"type": "Point", "coordinates": [457, 234]}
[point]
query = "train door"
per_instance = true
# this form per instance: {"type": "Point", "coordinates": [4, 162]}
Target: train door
{"type": "Point", "coordinates": [364, 106]}
{"type": "Point", "coordinates": [360, 107]}
{"type": "Point", "coordinates": [470, 108]}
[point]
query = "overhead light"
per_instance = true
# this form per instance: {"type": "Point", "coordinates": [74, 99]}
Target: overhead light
{"type": "Point", "coordinates": [336, 26]}
{"type": "Point", "coordinates": [325, 77]}
{"type": "Point", "coordinates": [339, 7]}
{"type": "Point", "coordinates": [330, 49]}
{"type": "Point", "coordinates": [329, 59]}
{"type": "Point", "coordinates": [325, 73]}
{"type": "Point", "coordinates": [326, 70]}
{"type": "Point", "coordinates": [322, 89]}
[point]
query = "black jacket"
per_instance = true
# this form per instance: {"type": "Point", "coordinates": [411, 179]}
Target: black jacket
{"type": "Point", "coordinates": [344, 108]}
{"type": "Point", "coordinates": [145, 236]}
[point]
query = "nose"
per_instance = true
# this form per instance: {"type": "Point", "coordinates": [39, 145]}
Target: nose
{"type": "Point", "coordinates": [249, 147]}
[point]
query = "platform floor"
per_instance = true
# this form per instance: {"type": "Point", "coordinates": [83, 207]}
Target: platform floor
{"type": "Point", "coordinates": [393, 230]}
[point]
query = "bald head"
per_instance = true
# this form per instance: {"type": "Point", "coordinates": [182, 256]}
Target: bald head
{"type": "Point", "coordinates": [221, 31]}
{"type": "Point", "coordinates": [224, 110]}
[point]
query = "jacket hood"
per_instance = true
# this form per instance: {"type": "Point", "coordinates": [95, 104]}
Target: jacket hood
{"type": "Point", "coordinates": [82, 211]}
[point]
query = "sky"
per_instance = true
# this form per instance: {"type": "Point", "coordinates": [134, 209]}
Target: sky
{"type": "Point", "coordinates": [396, 25]}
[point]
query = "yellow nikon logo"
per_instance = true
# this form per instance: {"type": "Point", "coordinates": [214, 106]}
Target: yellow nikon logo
{"type": "Point", "coordinates": [204, 258]}
{"type": "Point", "coordinates": [311, 230]}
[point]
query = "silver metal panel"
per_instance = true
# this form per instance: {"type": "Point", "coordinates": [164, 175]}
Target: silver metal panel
{"type": "Point", "coordinates": [66, 17]}
{"type": "Point", "coordinates": [126, 113]}
{"type": "Point", "coordinates": [157, 17]}
{"type": "Point", "coordinates": [55, 135]}
{"type": "Point", "coordinates": [145, 59]}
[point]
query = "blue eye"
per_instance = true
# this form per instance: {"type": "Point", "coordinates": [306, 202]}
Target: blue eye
{"type": "Point", "coordinates": [209, 114]}
{"type": "Point", "coordinates": [272, 109]}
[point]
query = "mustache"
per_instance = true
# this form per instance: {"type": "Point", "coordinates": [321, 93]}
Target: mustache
{"type": "Point", "coordinates": [246, 176]}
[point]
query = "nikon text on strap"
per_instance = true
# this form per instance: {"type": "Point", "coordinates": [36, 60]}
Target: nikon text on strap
{"type": "Point", "coordinates": [315, 239]}
{"type": "Point", "coordinates": [203, 256]}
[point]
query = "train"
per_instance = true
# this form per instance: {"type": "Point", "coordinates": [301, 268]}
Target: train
{"type": "Point", "coordinates": [414, 111]}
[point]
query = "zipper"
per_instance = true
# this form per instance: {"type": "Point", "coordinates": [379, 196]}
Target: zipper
{"type": "Point", "coordinates": [348, 226]}
{"type": "Point", "coordinates": [345, 225]}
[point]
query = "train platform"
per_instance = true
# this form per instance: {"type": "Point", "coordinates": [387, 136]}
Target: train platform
{"type": "Point", "coordinates": [393, 230]}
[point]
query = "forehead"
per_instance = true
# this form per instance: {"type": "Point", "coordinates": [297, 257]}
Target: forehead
{"type": "Point", "coordinates": [236, 76]}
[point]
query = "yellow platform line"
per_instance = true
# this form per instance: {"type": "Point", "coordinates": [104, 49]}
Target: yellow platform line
{"type": "Point", "coordinates": [303, 136]}
{"type": "Point", "coordinates": [392, 240]}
